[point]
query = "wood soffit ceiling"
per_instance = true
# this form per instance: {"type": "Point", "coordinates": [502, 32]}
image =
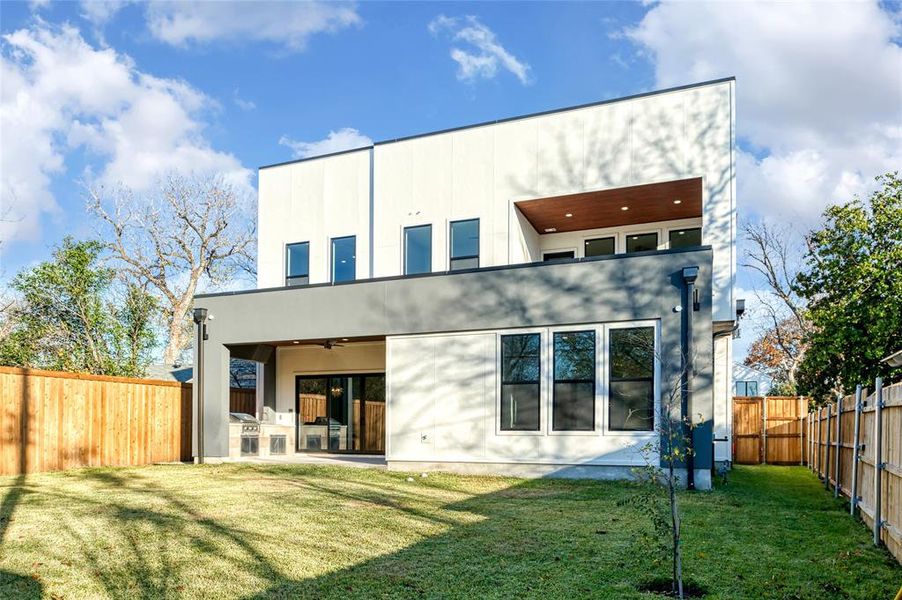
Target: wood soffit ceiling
{"type": "Point", "coordinates": [681, 199]}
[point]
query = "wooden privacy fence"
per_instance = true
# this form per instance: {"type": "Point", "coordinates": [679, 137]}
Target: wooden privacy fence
{"type": "Point", "coordinates": [855, 446]}
{"type": "Point", "coordinates": [51, 421]}
{"type": "Point", "coordinates": [769, 429]}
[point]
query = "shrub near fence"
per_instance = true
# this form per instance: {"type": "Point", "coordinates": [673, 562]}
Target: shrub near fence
{"type": "Point", "coordinates": [51, 421]}
{"type": "Point", "coordinates": [855, 446]}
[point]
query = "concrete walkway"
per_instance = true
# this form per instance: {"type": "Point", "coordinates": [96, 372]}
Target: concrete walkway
{"type": "Point", "coordinates": [363, 461]}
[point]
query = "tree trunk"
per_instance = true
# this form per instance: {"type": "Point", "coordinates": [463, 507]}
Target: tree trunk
{"type": "Point", "coordinates": [176, 336]}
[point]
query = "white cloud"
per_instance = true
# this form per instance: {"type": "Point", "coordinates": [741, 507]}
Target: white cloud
{"type": "Point", "coordinates": [819, 92]}
{"type": "Point", "coordinates": [243, 104]}
{"type": "Point", "coordinates": [99, 12]}
{"type": "Point", "coordinates": [347, 138]}
{"type": "Point", "coordinates": [485, 54]}
{"type": "Point", "coordinates": [61, 94]}
{"type": "Point", "coordinates": [288, 24]}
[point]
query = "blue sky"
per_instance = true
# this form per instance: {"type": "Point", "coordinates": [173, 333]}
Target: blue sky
{"type": "Point", "coordinates": [113, 91]}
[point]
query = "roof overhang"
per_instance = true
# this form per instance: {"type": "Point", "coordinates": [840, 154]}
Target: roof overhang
{"type": "Point", "coordinates": [616, 207]}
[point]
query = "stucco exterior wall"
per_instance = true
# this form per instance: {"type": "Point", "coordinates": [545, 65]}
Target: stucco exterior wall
{"type": "Point", "coordinates": [440, 331]}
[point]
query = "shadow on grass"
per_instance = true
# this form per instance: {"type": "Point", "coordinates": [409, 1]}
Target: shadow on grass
{"type": "Point", "coordinates": [159, 537]}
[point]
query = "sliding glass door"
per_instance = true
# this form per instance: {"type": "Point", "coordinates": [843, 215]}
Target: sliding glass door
{"type": "Point", "coordinates": [341, 413]}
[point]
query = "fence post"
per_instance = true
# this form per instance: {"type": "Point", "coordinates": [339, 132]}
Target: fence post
{"type": "Point", "coordinates": [878, 456]}
{"type": "Point", "coordinates": [836, 455]}
{"type": "Point", "coordinates": [829, 408]}
{"type": "Point", "coordinates": [853, 503]}
{"type": "Point", "coordinates": [817, 448]}
{"type": "Point", "coordinates": [764, 430]}
{"type": "Point", "coordinates": [801, 430]}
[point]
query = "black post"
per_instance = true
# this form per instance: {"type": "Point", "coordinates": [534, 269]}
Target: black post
{"type": "Point", "coordinates": [200, 318]}
{"type": "Point", "coordinates": [690, 274]}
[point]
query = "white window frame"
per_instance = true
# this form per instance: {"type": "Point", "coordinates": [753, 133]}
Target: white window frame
{"type": "Point", "coordinates": [549, 379]}
{"type": "Point", "coordinates": [656, 387]}
{"type": "Point", "coordinates": [602, 388]}
{"type": "Point", "coordinates": [543, 380]}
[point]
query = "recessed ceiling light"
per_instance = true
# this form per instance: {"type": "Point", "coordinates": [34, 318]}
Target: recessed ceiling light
{"type": "Point", "coordinates": [682, 233]}
{"type": "Point", "coordinates": [624, 208]}
{"type": "Point", "coordinates": [677, 201]}
{"type": "Point", "coordinates": [296, 342]}
{"type": "Point", "coordinates": [550, 229]}
{"type": "Point", "coordinates": [568, 215]}
{"type": "Point", "coordinates": [635, 237]}
{"type": "Point", "coordinates": [344, 339]}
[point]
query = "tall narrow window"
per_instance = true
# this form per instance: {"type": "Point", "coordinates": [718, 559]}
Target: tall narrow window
{"type": "Point", "coordinates": [641, 242]}
{"type": "Point", "coordinates": [417, 249]}
{"type": "Point", "coordinates": [520, 377]}
{"type": "Point", "coordinates": [344, 259]}
{"type": "Point", "coordinates": [631, 405]}
{"type": "Point", "coordinates": [686, 238]}
{"type": "Point", "coordinates": [464, 244]}
{"type": "Point", "coordinates": [297, 264]}
{"type": "Point", "coordinates": [600, 247]}
{"type": "Point", "coordinates": [573, 404]}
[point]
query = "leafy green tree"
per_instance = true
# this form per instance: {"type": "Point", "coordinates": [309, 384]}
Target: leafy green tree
{"type": "Point", "coordinates": [65, 318]}
{"type": "Point", "coordinates": [853, 284]}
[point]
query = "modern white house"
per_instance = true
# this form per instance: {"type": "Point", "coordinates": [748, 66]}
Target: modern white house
{"type": "Point", "coordinates": [517, 297]}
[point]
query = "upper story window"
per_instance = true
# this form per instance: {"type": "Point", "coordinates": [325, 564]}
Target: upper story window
{"type": "Point", "coordinates": [686, 238]}
{"type": "Point", "coordinates": [344, 259]}
{"type": "Point", "coordinates": [640, 242]}
{"type": "Point", "coordinates": [558, 255]}
{"type": "Point", "coordinates": [573, 393]}
{"type": "Point", "coordinates": [631, 405]}
{"type": "Point", "coordinates": [746, 388]}
{"type": "Point", "coordinates": [417, 249]}
{"type": "Point", "coordinates": [297, 263]}
{"type": "Point", "coordinates": [464, 245]}
{"type": "Point", "coordinates": [521, 373]}
{"type": "Point", "coordinates": [600, 247]}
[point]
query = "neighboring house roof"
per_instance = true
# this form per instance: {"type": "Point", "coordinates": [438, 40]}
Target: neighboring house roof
{"type": "Point", "coordinates": [242, 373]}
{"type": "Point", "coordinates": [180, 373]}
{"type": "Point", "coordinates": [743, 372]}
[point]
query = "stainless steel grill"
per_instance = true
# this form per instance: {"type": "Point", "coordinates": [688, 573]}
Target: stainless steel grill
{"type": "Point", "coordinates": [250, 433]}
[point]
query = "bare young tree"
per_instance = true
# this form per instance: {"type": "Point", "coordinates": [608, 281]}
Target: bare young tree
{"type": "Point", "coordinates": [191, 229]}
{"type": "Point", "coordinates": [774, 256]}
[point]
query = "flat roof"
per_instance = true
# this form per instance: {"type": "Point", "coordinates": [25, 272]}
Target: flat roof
{"type": "Point", "coordinates": [507, 119]}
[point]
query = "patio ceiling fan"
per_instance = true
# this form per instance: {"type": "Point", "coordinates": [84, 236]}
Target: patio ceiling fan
{"type": "Point", "coordinates": [329, 344]}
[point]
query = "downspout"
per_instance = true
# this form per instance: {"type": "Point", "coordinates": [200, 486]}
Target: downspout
{"type": "Point", "coordinates": [200, 318]}
{"type": "Point", "coordinates": [690, 274]}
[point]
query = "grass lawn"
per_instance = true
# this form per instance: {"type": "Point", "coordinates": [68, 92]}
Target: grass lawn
{"type": "Point", "coordinates": [312, 531]}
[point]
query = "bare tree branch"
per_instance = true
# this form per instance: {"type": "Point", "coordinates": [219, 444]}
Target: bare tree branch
{"type": "Point", "coordinates": [191, 231]}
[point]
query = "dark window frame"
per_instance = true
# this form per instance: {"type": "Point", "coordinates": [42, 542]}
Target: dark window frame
{"type": "Point", "coordinates": [670, 233]}
{"type": "Point", "coordinates": [288, 276]}
{"type": "Point", "coordinates": [451, 257]}
{"type": "Point", "coordinates": [405, 253]}
{"type": "Point", "coordinates": [587, 241]}
{"type": "Point", "coordinates": [593, 380]}
{"type": "Point", "coordinates": [566, 251]}
{"type": "Point", "coordinates": [653, 378]}
{"type": "Point", "coordinates": [746, 383]}
{"type": "Point", "coordinates": [538, 382]}
{"type": "Point", "coordinates": [332, 257]}
{"type": "Point", "coordinates": [626, 245]}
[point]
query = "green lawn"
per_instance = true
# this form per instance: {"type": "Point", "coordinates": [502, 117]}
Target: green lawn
{"type": "Point", "coordinates": [310, 531]}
